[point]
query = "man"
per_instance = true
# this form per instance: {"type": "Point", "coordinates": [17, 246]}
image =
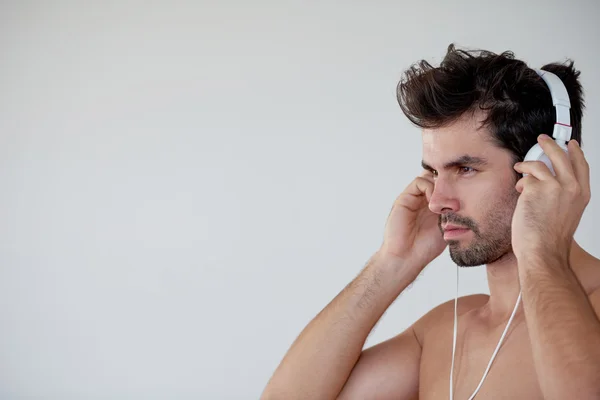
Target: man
{"type": "Point", "coordinates": [480, 112]}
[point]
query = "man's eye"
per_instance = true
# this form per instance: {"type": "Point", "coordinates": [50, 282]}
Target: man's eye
{"type": "Point", "coordinates": [466, 170]}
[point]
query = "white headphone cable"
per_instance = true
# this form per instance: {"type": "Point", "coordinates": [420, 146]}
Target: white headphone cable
{"type": "Point", "coordinates": [495, 351]}
{"type": "Point", "coordinates": [455, 333]}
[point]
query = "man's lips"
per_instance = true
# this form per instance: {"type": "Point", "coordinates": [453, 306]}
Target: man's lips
{"type": "Point", "coordinates": [450, 227]}
{"type": "Point", "coordinates": [453, 231]}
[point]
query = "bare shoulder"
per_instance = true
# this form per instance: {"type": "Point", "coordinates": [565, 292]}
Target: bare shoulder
{"type": "Point", "coordinates": [587, 272]}
{"type": "Point", "coordinates": [444, 313]}
{"type": "Point", "coordinates": [594, 276]}
{"type": "Point", "coordinates": [594, 299]}
{"type": "Point", "coordinates": [589, 278]}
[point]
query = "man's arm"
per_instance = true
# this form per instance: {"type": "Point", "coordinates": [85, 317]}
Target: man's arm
{"type": "Point", "coordinates": [321, 359]}
{"type": "Point", "coordinates": [564, 329]}
{"type": "Point", "coordinates": [388, 370]}
{"type": "Point", "coordinates": [391, 369]}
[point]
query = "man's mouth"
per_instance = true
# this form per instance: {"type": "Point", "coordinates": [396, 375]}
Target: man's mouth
{"type": "Point", "coordinates": [454, 231]}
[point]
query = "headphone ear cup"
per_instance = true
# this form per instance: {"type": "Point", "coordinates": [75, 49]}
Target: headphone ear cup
{"type": "Point", "coordinates": [537, 154]}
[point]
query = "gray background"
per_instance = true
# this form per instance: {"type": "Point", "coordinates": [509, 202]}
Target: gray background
{"type": "Point", "coordinates": [186, 184]}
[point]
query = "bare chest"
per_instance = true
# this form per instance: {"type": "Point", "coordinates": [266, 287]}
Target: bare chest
{"type": "Point", "coordinates": [511, 376]}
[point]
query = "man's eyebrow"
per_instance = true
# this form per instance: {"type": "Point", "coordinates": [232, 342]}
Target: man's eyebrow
{"type": "Point", "coordinates": [460, 161]}
{"type": "Point", "coordinates": [426, 166]}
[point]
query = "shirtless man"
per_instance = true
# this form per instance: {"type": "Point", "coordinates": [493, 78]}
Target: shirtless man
{"type": "Point", "coordinates": [520, 228]}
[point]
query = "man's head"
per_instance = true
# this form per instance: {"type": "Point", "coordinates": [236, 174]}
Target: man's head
{"type": "Point", "coordinates": [480, 113]}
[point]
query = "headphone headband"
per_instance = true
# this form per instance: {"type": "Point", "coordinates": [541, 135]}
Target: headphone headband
{"type": "Point", "coordinates": [560, 100]}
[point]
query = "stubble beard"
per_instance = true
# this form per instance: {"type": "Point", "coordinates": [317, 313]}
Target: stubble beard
{"type": "Point", "coordinates": [487, 246]}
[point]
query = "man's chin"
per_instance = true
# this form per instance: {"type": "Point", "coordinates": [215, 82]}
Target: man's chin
{"type": "Point", "coordinates": [474, 258]}
{"type": "Point", "coordinates": [460, 244]}
{"type": "Point", "coordinates": [465, 262]}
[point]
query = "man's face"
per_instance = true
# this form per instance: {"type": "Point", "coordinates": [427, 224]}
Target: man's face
{"type": "Point", "coordinates": [473, 189]}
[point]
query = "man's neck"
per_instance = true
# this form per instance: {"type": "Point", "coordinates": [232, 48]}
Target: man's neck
{"type": "Point", "coordinates": [503, 283]}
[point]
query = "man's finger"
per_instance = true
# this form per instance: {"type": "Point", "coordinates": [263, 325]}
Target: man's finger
{"type": "Point", "coordinates": [526, 181]}
{"type": "Point", "coordinates": [559, 159]}
{"type": "Point", "coordinates": [535, 168]}
{"type": "Point", "coordinates": [581, 167]}
{"type": "Point", "coordinates": [421, 186]}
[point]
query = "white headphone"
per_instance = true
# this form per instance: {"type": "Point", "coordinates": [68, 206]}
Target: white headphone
{"type": "Point", "coordinates": [562, 126]}
{"type": "Point", "coordinates": [561, 134]}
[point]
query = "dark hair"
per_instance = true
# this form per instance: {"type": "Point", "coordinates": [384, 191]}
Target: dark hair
{"type": "Point", "coordinates": [516, 100]}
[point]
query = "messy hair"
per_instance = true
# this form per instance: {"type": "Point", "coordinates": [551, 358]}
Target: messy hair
{"type": "Point", "coordinates": [516, 101]}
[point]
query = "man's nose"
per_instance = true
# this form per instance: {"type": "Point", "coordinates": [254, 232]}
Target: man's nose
{"type": "Point", "coordinates": [443, 198]}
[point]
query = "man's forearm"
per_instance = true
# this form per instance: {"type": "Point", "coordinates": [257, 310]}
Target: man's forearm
{"type": "Point", "coordinates": [322, 357]}
{"type": "Point", "coordinates": [563, 327]}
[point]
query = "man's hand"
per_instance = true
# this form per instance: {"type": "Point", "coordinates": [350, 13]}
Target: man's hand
{"type": "Point", "coordinates": [412, 233]}
{"type": "Point", "coordinates": [550, 207]}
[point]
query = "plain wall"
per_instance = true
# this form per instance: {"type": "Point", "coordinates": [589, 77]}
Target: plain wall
{"type": "Point", "coordinates": [185, 185]}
